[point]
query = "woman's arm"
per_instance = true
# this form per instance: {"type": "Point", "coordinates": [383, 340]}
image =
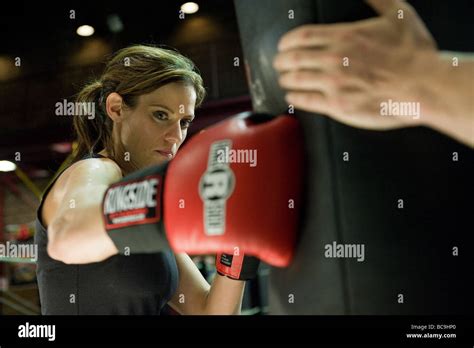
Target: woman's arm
{"type": "Point", "coordinates": [195, 296]}
{"type": "Point", "coordinates": [225, 296]}
{"type": "Point", "coordinates": [72, 213]}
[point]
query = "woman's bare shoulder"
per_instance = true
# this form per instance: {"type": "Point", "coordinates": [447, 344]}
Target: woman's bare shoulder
{"type": "Point", "coordinates": [88, 172]}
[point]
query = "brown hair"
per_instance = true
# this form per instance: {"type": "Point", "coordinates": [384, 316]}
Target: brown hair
{"type": "Point", "coordinates": [131, 72]}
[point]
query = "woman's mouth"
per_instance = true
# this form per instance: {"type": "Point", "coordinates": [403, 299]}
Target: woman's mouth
{"type": "Point", "coordinates": [166, 154]}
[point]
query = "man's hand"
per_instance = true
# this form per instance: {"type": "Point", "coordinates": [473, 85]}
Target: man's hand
{"type": "Point", "coordinates": [354, 72]}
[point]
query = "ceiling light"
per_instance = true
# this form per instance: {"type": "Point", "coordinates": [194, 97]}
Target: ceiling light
{"type": "Point", "coordinates": [7, 166]}
{"type": "Point", "coordinates": [189, 7]}
{"type": "Point", "coordinates": [85, 30]}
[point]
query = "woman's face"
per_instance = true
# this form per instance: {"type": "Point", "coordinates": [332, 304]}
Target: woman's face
{"type": "Point", "coordinates": [152, 132]}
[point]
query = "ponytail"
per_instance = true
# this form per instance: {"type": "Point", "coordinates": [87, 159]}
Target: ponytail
{"type": "Point", "coordinates": [92, 134]}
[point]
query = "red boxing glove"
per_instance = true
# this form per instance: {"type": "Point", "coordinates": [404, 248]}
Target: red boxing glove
{"type": "Point", "coordinates": [214, 203]}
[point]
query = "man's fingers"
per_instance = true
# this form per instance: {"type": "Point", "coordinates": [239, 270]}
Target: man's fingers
{"type": "Point", "coordinates": [300, 59]}
{"type": "Point", "coordinates": [309, 80]}
{"type": "Point", "coordinates": [310, 35]}
{"type": "Point", "coordinates": [316, 35]}
{"type": "Point", "coordinates": [383, 6]}
{"type": "Point", "coordinates": [308, 101]}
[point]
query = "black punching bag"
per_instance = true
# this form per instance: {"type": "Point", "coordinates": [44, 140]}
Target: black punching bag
{"type": "Point", "coordinates": [404, 194]}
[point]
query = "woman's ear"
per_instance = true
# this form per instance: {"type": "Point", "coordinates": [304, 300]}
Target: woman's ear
{"type": "Point", "coordinates": [113, 106]}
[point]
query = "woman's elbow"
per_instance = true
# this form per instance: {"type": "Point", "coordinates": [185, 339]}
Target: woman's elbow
{"type": "Point", "coordinates": [57, 251]}
{"type": "Point", "coordinates": [58, 247]}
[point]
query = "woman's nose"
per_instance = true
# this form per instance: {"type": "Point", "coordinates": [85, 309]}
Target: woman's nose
{"type": "Point", "coordinates": [174, 134]}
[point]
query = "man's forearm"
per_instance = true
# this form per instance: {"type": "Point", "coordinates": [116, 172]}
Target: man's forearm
{"type": "Point", "coordinates": [447, 96]}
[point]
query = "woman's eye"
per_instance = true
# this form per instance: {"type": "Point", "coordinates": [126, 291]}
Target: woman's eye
{"type": "Point", "coordinates": [186, 123]}
{"type": "Point", "coordinates": [160, 115]}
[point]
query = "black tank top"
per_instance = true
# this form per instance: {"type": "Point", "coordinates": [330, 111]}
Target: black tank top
{"type": "Point", "coordinates": [135, 284]}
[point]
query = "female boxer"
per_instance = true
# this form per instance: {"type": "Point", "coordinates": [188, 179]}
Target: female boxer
{"type": "Point", "coordinates": [144, 103]}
